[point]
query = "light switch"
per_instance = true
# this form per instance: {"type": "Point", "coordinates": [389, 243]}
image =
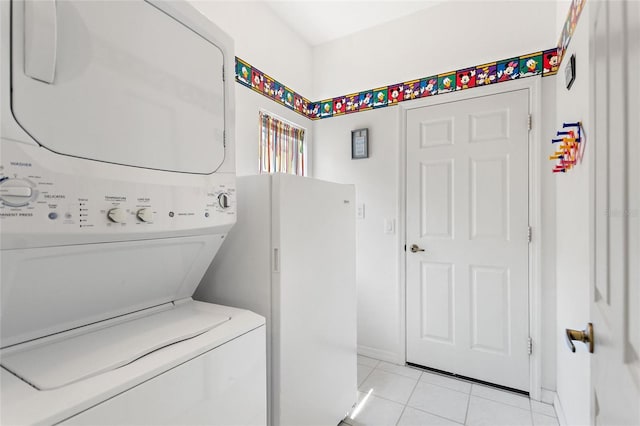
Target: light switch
{"type": "Point", "coordinates": [360, 211]}
{"type": "Point", "coordinates": [389, 226]}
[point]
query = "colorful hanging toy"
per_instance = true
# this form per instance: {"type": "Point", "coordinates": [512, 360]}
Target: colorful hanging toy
{"type": "Point", "coordinates": [571, 147]}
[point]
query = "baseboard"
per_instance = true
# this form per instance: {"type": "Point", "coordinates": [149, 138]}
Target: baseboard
{"type": "Point", "coordinates": [562, 420]}
{"type": "Point", "coordinates": [547, 396]}
{"type": "Point", "coordinates": [388, 356]}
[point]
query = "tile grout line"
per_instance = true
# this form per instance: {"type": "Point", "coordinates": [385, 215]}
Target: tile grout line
{"type": "Point", "coordinates": [449, 378]}
{"type": "Point", "coordinates": [504, 403]}
{"type": "Point", "coordinates": [388, 372]}
{"type": "Point", "coordinates": [371, 366]}
{"type": "Point", "coordinates": [546, 415]}
{"type": "Point", "coordinates": [409, 399]}
{"type": "Point", "coordinates": [555, 415]}
{"type": "Point", "coordinates": [366, 377]}
{"type": "Point", "coordinates": [531, 413]}
{"type": "Point", "coordinates": [469, 393]}
{"type": "Point", "coordinates": [358, 384]}
{"type": "Point", "coordinates": [466, 414]}
{"type": "Point", "coordinates": [429, 412]}
{"type": "Point", "coordinates": [398, 374]}
{"type": "Point", "coordinates": [384, 397]}
{"type": "Point", "coordinates": [387, 399]}
{"type": "Point", "coordinates": [376, 360]}
{"type": "Point", "coordinates": [435, 415]}
{"type": "Point", "coordinates": [444, 387]}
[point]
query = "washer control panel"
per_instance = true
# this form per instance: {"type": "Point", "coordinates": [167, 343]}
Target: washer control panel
{"type": "Point", "coordinates": [83, 197]}
{"type": "Point", "coordinates": [17, 192]}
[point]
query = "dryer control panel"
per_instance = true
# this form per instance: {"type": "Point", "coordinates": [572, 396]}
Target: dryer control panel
{"type": "Point", "coordinates": [90, 201]}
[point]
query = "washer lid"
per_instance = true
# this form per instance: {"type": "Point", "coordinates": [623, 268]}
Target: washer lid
{"type": "Point", "coordinates": [119, 81]}
{"type": "Point", "coordinates": [48, 290]}
{"type": "Point", "coordinates": [66, 361]}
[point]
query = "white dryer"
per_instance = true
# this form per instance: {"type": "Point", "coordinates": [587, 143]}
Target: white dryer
{"type": "Point", "coordinates": [117, 187]}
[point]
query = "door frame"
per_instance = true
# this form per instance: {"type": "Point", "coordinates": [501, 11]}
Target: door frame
{"type": "Point", "coordinates": [533, 85]}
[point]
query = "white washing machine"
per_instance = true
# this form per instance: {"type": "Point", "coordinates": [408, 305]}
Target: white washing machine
{"type": "Point", "coordinates": [117, 187]}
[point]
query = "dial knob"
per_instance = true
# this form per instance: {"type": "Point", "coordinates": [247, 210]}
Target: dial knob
{"type": "Point", "coordinates": [145, 215]}
{"type": "Point", "coordinates": [116, 215]}
{"type": "Point", "coordinates": [16, 192]}
{"type": "Point", "coordinates": [223, 200]}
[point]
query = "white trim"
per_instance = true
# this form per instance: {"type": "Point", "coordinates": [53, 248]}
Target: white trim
{"type": "Point", "coordinates": [402, 236]}
{"type": "Point", "coordinates": [533, 85]}
{"type": "Point", "coordinates": [562, 419]}
{"type": "Point", "coordinates": [379, 354]}
{"type": "Point", "coordinates": [548, 396]}
{"type": "Point", "coordinates": [535, 248]}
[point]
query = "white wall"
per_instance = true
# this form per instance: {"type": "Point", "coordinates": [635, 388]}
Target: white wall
{"type": "Point", "coordinates": [265, 41]}
{"type": "Point", "coordinates": [376, 184]}
{"type": "Point", "coordinates": [449, 36]}
{"type": "Point", "coordinates": [573, 269]}
{"type": "Point", "coordinates": [446, 37]}
{"type": "Point", "coordinates": [376, 180]}
{"type": "Point", "coordinates": [371, 61]}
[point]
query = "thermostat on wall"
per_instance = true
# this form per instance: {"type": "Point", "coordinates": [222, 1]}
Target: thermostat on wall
{"type": "Point", "coordinates": [359, 143]}
{"type": "Point", "coordinates": [570, 71]}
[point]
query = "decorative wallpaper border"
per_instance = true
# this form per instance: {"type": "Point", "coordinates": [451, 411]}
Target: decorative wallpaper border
{"type": "Point", "coordinates": [253, 78]}
{"type": "Point", "coordinates": [569, 27]}
{"type": "Point", "coordinates": [545, 63]}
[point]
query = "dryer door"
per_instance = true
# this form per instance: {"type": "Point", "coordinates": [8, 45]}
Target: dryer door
{"type": "Point", "coordinates": [118, 81]}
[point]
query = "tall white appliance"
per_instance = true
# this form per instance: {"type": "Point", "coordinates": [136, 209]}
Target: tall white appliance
{"type": "Point", "coordinates": [117, 188]}
{"type": "Point", "coordinates": [291, 258]}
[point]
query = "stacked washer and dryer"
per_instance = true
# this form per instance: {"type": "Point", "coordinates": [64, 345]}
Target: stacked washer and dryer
{"type": "Point", "coordinates": [117, 187]}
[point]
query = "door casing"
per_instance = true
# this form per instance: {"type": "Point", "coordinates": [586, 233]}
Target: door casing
{"type": "Point", "coordinates": [533, 85]}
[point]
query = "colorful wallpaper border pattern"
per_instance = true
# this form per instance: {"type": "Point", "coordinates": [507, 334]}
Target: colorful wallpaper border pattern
{"type": "Point", "coordinates": [481, 75]}
{"type": "Point", "coordinates": [545, 63]}
{"type": "Point", "coordinates": [569, 27]}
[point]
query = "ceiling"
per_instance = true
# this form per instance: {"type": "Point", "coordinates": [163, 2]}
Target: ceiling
{"type": "Point", "coordinates": [320, 21]}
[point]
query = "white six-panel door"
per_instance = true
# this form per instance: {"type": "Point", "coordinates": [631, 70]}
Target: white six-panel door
{"type": "Point", "coordinates": [615, 304]}
{"type": "Point", "coordinates": [467, 207]}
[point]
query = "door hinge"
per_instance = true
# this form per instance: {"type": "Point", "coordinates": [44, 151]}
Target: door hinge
{"type": "Point", "coordinates": [529, 232]}
{"type": "Point", "coordinates": [529, 125]}
{"type": "Point", "coordinates": [223, 76]}
{"type": "Point", "coordinates": [405, 247]}
{"type": "Point", "coordinates": [529, 345]}
{"type": "Point", "coordinates": [224, 138]}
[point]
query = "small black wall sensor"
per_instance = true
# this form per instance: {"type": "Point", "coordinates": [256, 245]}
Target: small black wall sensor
{"type": "Point", "coordinates": [570, 71]}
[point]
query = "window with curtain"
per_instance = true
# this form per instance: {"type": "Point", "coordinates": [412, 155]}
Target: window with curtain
{"type": "Point", "coordinates": [282, 147]}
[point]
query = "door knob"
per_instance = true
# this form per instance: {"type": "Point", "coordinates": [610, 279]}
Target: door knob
{"type": "Point", "coordinates": [414, 248]}
{"type": "Point", "coordinates": [584, 336]}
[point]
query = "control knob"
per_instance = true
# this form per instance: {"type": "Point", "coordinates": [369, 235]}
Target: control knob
{"type": "Point", "coordinates": [16, 192]}
{"type": "Point", "coordinates": [223, 200]}
{"type": "Point", "coordinates": [116, 215]}
{"type": "Point", "coordinates": [145, 215]}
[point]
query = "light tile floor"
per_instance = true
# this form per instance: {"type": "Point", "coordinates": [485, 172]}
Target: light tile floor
{"type": "Point", "coordinates": [405, 396]}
